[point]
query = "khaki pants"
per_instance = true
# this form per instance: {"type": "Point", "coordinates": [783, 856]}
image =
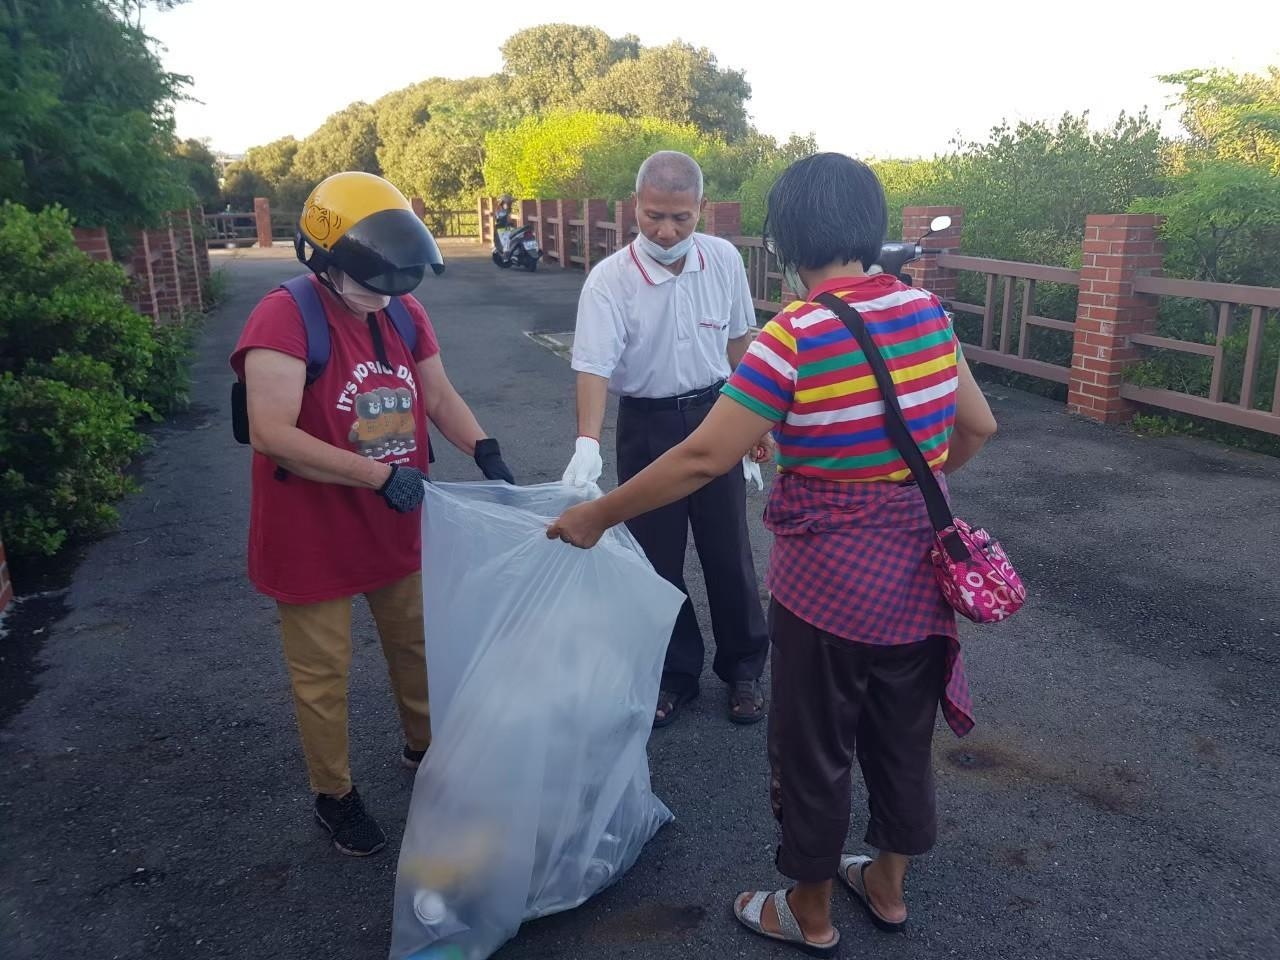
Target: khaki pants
{"type": "Point", "coordinates": [317, 649]}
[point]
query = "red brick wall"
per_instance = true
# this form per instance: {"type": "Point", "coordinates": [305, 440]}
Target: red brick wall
{"type": "Point", "coordinates": [94, 242]}
{"type": "Point", "coordinates": [168, 267]}
{"type": "Point", "coordinates": [182, 226]}
{"type": "Point", "coordinates": [723, 219]}
{"type": "Point", "coordinates": [141, 290]}
{"type": "Point", "coordinates": [165, 277]}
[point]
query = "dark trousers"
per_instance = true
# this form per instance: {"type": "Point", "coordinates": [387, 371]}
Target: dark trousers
{"type": "Point", "coordinates": [718, 515]}
{"type": "Point", "coordinates": [834, 700]}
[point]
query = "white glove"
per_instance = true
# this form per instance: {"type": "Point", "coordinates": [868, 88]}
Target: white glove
{"type": "Point", "coordinates": [751, 470]}
{"type": "Point", "coordinates": [586, 466]}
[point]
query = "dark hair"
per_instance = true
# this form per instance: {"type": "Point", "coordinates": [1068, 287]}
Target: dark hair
{"type": "Point", "coordinates": [827, 208]}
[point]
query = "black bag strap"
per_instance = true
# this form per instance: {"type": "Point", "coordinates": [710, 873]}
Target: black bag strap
{"type": "Point", "coordinates": [940, 514]}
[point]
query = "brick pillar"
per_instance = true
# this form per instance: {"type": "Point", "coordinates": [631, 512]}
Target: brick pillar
{"type": "Point", "coordinates": [6, 584]}
{"type": "Point", "coordinates": [184, 235]}
{"type": "Point", "coordinates": [165, 277]}
{"type": "Point", "coordinates": [262, 214]}
{"type": "Point", "coordinates": [141, 293]}
{"type": "Point", "coordinates": [93, 241]}
{"type": "Point", "coordinates": [567, 210]}
{"type": "Point", "coordinates": [625, 212]}
{"type": "Point", "coordinates": [419, 207]}
{"type": "Point", "coordinates": [925, 272]}
{"type": "Point", "coordinates": [596, 211]}
{"type": "Point", "coordinates": [1117, 248]}
{"type": "Point", "coordinates": [723, 219]}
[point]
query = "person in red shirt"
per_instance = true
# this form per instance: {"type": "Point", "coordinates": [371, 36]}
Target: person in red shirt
{"type": "Point", "coordinates": [339, 464]}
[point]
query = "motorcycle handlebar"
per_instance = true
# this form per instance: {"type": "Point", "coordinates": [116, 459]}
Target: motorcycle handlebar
{"type": "Point", "coordinates": [895, 255]}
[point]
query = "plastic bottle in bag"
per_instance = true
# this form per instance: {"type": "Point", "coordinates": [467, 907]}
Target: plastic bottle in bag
{"type": "Point", "coordinates": [438, 919]}
{"type": "Point", "coordinates": [600, 868]}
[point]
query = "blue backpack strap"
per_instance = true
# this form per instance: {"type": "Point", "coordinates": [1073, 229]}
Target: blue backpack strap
{"type": "Point", "coordinates": [314, 322]}
{"type": "Point", "coordinates": [402, 320]}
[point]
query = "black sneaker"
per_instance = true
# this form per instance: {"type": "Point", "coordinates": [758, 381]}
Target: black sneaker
{"type": "Point", "coordinates": [412, 758]}
{"type": "Point", "coordinates": [354, 832]}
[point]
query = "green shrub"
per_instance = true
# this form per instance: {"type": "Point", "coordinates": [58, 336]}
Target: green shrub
{"type": "Point", "coordinates": [64, 449]}
{"type": "Point", "coordinates": [54, 299]}
{"type": "Point", "coordinates": [168, 390]}
{"type": "Point", "coordinates": [215, 289]}
{"type": "Point", "coordinates": [78, 368]}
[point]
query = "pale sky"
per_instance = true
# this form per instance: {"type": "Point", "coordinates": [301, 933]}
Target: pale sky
{"type": "Point", "coordinates": [868, 79]}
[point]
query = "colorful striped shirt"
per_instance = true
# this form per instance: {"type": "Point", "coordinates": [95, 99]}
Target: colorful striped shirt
{"type": "Point", "coordinates": [806, 372]}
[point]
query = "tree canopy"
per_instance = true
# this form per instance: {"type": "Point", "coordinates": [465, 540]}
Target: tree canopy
{"type": "Point", "coordinates": [88, 113]}
{"type": "Point", "coordinates": [432, 139]}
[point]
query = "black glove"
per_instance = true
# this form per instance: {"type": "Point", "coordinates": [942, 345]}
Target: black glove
{"type": "Point", "coordinates": [403, 490]}
{"type": "Point", "coordinates": [489, 460]}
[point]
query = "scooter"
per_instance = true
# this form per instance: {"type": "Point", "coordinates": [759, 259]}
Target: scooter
{"type": "Point", "coordinates": [895, 255]}
{"type": "Point", "coordinates": [517, 247]}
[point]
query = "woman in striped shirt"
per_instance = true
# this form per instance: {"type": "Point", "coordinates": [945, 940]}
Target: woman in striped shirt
{"type": "Point", "coordinates": [864, 647]}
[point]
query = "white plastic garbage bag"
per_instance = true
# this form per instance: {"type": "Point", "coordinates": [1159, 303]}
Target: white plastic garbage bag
{"type": "Point", "coordinates": [543, 664]}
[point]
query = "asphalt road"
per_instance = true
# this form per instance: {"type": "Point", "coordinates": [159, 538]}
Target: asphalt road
{"type": "Point", "coordinates": [1120, 797]}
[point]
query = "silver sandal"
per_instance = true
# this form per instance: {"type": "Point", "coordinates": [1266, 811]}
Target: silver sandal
{"type": "Point", "coordinates": [750, 913]}
{"type": "Point", "coordinates": [858, 888]}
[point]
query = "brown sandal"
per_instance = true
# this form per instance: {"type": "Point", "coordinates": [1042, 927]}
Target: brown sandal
{"type": "Point", "coordinates": [670, 703]}
{"type": "Point", "coordinates": [746, 702]}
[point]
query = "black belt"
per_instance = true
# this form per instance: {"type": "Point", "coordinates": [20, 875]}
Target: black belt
{"type": "Point", "coordinates": [699, 398]}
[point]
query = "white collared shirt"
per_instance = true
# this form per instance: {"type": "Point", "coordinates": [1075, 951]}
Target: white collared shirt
{"type": "Point", "coordinates": [653, 333]}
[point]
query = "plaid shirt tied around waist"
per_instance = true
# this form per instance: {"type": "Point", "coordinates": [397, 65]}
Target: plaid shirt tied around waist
{"type": "Point", "coordinates": [853, 560]}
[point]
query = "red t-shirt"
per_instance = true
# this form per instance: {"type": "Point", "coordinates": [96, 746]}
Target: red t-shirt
{"type": "Point", "coordinates": [310, 542]}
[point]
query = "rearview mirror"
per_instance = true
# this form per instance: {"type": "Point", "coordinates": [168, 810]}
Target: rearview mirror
{"type": "Point", "coordinates": [938, 224]}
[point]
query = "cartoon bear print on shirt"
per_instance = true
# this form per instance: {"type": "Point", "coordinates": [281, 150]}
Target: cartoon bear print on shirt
{"type": "Point", "coordinates": [368, 430]}
{"type": "Point", "coordinates": [408, 427]}
{"type": "Point", "coordinates": [390, 421]}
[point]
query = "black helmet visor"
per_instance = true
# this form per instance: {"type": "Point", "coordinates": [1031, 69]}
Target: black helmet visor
{"type": "Point", "coordinates": [388, 252]}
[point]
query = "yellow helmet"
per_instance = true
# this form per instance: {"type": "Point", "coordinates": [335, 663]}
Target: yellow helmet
{"type": "Point", "coordinates": [362, 225]}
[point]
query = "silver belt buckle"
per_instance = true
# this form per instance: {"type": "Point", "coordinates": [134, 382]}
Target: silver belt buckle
{"type": "Point", "coordinates": [685, 399]}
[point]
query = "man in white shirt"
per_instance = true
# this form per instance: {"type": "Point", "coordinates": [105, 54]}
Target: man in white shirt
{"type": "Point", "coordinates": [661, 323]}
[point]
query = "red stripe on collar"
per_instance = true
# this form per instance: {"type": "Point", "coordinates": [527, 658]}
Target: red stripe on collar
{"type": "Point", "coordinates": [631, 248]}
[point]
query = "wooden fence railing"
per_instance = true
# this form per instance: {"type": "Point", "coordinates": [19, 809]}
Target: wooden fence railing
{"type": "Point", "coordinates": [266, 224]}
{"type": "Point", "coordinates": [1104, 323]}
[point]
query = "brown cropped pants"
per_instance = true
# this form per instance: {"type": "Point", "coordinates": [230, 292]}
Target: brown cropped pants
{"type": "Point", "coordinates": [834, 700]}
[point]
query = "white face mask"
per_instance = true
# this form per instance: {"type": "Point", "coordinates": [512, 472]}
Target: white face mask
{"type": "Point", "coordinates": [665, 255]}
{"type": "Point", "coordinates": [356, 297]}
{"type": "Point", "coordinates": [792, 278]}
